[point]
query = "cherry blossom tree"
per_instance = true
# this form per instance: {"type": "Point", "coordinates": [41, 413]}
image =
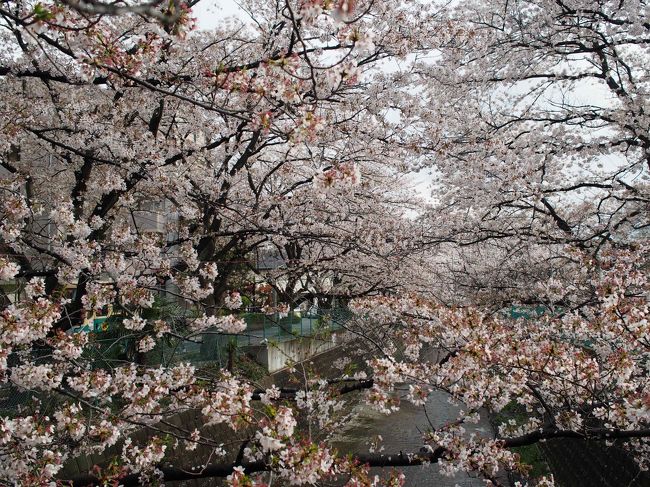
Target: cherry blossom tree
{"type": "Point", "coordinates": [556, 143]}
{"type": "Point", "coordinates": [140, 156]}
{"type": "Point", "coordinates": [533, 126]}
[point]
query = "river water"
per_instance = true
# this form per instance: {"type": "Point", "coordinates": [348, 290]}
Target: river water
{"type": "Point", "coordinates": [403, 431]}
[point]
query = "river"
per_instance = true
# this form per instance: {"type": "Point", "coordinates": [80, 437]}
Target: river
{"type": "Point", "coordinates": [402, 431]}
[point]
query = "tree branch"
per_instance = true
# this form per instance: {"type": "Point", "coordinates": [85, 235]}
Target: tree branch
{"type": "Point", "coordinates": [224, 469]}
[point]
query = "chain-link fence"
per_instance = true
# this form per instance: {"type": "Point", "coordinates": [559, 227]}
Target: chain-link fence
{"type": "Point", "coordinates": [111, 346]}
{"type": "Point", "coordinates": [213, 346]}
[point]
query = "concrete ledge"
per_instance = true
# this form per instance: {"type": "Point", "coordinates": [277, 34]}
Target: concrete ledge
{"type": "Point", "coordinates": [275, 356]}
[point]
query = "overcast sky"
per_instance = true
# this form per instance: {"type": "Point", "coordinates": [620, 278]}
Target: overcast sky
{"type": "Point", "coordinates": [210, 12]}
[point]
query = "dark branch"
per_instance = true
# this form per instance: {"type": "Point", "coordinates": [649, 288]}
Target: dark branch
{"type": "Point", "coordinates": [592, 434]}
{"type": "Point", "coordinates": [224, 469]}
{"type": "Point", "coordinates": [290, 392]}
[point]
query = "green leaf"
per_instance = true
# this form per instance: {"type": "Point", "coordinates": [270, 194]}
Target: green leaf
{"type": "Point", "coordinates": [41, 13]}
